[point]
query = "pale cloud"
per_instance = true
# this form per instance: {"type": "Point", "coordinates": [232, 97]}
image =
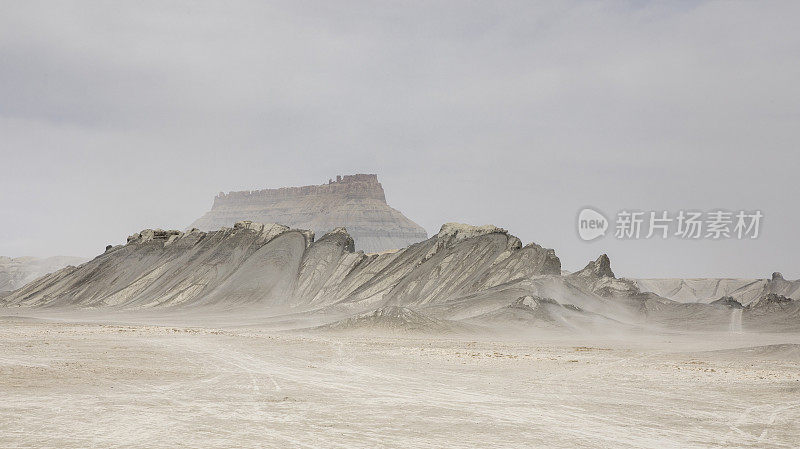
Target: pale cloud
{"type": "Point", "coordinates": [116, 116]}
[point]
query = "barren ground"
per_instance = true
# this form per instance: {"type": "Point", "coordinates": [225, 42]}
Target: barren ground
{"type": "Point", "coordinates": [100, 384]}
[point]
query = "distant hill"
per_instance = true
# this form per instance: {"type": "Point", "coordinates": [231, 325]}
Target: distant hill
{"type": "Point", "coordinates": [706, 290]}
{"type": "Point", "coordinates": [356, 202]}
{"type": "Point", "coordinates": [18, 271]}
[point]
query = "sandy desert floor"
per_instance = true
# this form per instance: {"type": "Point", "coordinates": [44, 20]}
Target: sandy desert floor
{"type": "Point", "coordinates": [95, 384]}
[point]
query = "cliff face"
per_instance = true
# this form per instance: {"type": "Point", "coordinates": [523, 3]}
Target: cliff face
{"type": "Point", "coordinates": [356, 202]}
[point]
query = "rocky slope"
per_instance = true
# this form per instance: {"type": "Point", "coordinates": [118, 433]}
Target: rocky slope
{"type": "Point", "coordinates": [18, 271]}
{"type": "Point", "coordinates": [472, 275]}
{"type": "Point", "coordinates": [274, 265]}
{"type": "Point", "coordinates": [356, 202]}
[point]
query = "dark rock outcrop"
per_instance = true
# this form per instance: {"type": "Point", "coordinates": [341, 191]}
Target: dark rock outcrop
{"type": "Point", "coordinates": [727, 301]}
{"type": "Point", "coordinates": [769, 299]}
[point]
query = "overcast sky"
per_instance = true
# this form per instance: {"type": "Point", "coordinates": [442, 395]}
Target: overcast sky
{"type": "Point", "coordinates": [119, 116]}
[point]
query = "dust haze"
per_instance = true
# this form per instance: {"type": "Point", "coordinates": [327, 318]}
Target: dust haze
{"type": "Point", "coordinates": [353, 224]}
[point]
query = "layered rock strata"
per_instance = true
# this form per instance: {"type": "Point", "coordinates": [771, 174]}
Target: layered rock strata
{"type": "Point", "coordinates": [473, 275]}
{"type": "Point", "coordinates": [272, 265]}
{"type": "Point", "coordinates": [356, 202]}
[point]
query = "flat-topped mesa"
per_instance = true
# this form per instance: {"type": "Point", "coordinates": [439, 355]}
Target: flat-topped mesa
{"type": "Point", "coordinates": [359, 186]}
{"type": "Point", "coordinates": [356, 202]}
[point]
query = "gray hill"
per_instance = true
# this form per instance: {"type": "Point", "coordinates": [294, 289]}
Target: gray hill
{"type": "Point", "coordinates": [706, 290]}
{"type": "Point", "coordinates": [468, 274]}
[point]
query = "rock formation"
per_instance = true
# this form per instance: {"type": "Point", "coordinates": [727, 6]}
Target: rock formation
{"type": "Point", "coordinates": [707, 290]}
{"type": "Point", "coordinates": [727, 301]}
{"type": "Point", "coordinates": [473, 275]}
{"type": "Point", "coordinates": [355, 202]}
{"type": "Point", "coordinates": [16, 272]}
{"type": "Point", "coordinates": [768, 299]}
{"type": "Point", "coordinates": [276, 266]}
{"type": "Point", "coordinates": [598, 277]}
